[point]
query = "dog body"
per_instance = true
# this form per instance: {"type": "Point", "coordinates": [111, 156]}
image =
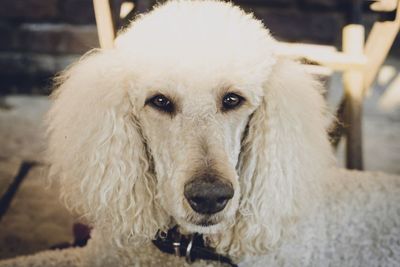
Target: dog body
{"type": "Point", "coordinates": [193, 120]}
{"type": "Point", "coordinates": [355, 225]}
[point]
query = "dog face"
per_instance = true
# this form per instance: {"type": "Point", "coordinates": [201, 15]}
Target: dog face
{"type": "Point", "coordinates": [191, 119]}
{"type": "Point", "coordinates": [193, 130]}
{"type": "Point", "coordinates": [193, 98]}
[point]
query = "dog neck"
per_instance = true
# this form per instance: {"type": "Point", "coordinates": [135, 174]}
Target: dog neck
{"type": "Point", "coordinates": [192, 246]}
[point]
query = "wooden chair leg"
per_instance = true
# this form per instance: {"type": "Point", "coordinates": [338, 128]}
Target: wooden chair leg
{"type": "Point", "coordinates": [353, 80]}
{"type": "Point", "coordinates": [357, 82]}
{"type": "Point", "coordinates": [378, 44]}
{"type": "Point", "coordinates": [353, 128]}
{"type": "Point", "coordinates": [105, 24]}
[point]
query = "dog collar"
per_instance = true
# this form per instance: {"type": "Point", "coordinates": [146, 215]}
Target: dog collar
{"type": "Point", "coordinates": [192, 247]}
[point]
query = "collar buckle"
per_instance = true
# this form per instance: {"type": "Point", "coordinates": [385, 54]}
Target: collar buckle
{"type": "Point", "coordinates": [189, 247]}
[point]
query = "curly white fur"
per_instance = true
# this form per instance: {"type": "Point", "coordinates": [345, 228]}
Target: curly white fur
{"type": "Point", "coordinates": [123, 165]}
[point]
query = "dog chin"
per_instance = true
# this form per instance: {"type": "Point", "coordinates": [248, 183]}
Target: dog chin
{"type": "Point", "coordinates": [203, 228]}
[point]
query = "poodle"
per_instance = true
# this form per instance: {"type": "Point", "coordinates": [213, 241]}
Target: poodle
{"type": "Point", "coordinates": [193, 122]}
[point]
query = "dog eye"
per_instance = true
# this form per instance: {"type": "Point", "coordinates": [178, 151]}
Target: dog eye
{"type": "Point", "coordinates": [162, 103]}
{"type": "Point", "coordinates": [231, 101]}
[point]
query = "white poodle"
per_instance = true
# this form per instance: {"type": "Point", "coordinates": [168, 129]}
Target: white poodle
{"type": "Point", "coordinates": [193, 120]}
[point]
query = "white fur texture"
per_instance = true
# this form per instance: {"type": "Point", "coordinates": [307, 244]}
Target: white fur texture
{"type": "Point", "coordinates": [123, 164]}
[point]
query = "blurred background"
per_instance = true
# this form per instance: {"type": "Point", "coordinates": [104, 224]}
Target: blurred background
{"type": "Point", "coordinates": [39, 38]}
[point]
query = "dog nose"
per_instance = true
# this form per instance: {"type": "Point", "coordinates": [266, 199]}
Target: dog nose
{"type": "Point", "coordinates": [208, 197]}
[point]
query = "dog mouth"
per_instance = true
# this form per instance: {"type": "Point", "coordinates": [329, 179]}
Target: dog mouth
{"type": "Point", "coordinates": [204, 224]}
{"type": "Point", "coordinates": [204, 220]}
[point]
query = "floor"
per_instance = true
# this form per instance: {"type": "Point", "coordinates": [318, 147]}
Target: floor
{"type": "Point", "coordinates": [36, 220]}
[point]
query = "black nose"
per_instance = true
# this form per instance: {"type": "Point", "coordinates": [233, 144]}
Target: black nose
{"type": "Point", "coordinates": [208, 197]}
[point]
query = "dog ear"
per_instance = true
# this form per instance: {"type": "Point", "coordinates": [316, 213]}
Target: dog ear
{"type": "Point", "coordinates": [284, 156]}
{"type": "Point", "coordinates": [97, 152]}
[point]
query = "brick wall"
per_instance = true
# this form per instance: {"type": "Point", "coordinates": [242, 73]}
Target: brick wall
{"type": "Point", "coordinates": [41, 37]}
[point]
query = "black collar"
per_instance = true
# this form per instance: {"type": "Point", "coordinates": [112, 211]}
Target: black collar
{"type": "Point", "coordinates": [191, 247]}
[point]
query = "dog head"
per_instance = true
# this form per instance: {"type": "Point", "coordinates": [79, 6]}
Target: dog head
{"type": "Point", "coordinates": [191, 119]}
